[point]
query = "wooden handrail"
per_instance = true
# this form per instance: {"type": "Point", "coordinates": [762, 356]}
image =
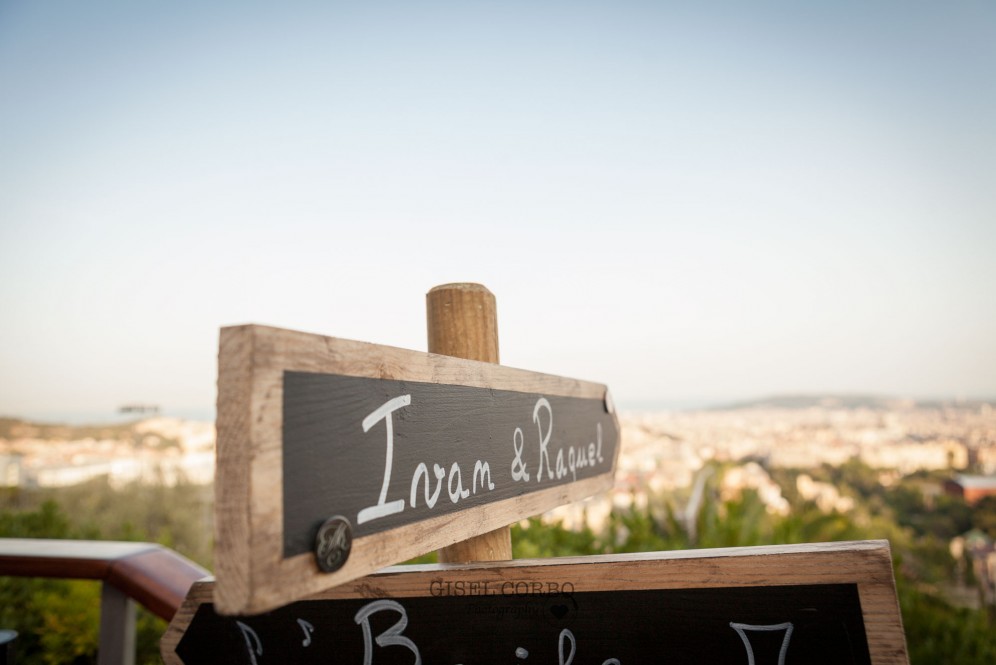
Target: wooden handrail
{"type": "Point", "coordinates": [154, 576]}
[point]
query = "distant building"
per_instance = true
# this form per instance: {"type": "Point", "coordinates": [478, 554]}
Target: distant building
{"type": "Point", "coordinates": [985, 457]}
{"type": "Point", "coordinates": [911, 456]}
{"type": "Point", "coordinates": [11, 470]}
{"type": "Point", "coordinates": [971, 488]}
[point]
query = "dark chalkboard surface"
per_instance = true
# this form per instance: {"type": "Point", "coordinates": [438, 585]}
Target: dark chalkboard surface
{"type": "Point", "coordinates": [829, 603]}
{"type": "Point", "coordinates": [447, 448]}
{"type": "Point", "coordinates": [337, 458]}
{"type": "Point", "coordinates": [803, 625]}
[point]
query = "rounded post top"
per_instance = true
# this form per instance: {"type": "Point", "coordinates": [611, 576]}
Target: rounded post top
{"type": "Point", "coordinates": [461, 286]}
{"type": "Point", "coordinates": [462, 321]}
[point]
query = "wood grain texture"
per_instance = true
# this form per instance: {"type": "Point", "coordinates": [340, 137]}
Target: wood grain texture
{"type": "Point", "coordinates": [252, 573]}
{"type": "Point", "coordinates": [232, 488]}
{"type": "Point", "coordinates": [491, 546]}
{"type": "Point", "coordinates": [866, 564]}
{"type": "Point", "coordinates": [462, 321]}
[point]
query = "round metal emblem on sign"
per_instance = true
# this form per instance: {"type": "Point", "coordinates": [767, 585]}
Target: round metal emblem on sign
{"type": "Point", "coordinates": [332, 543]}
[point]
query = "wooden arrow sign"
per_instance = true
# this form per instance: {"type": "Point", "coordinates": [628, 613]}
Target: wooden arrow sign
{"type": "Point", "coordinates": [831, 604]}
{"type": "Point", "coordinates": [337, 458]}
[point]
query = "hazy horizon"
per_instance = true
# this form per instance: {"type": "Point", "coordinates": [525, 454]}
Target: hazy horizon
{"type": "Point", "coordinates": [715, 202]}
{"type": "Point", "coordinates": [207, 414]}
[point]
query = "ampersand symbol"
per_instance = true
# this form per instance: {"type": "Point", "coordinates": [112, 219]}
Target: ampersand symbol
{"type": "Point", "coordinates": [518, 466]}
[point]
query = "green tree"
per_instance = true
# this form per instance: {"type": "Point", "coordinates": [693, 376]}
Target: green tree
{"type": "Point", "coordinates": [984, 515]}
{"type": "Point", "coordinates": [636, 530]}
{"type": "Point", "coordinates": [57, 620]}
{"type": "Point", "coordinates": [22, 599]}
{"type": "Point", "coordinates": [938, 634]}
{"type": "Point", "coordinates": [534, 540]}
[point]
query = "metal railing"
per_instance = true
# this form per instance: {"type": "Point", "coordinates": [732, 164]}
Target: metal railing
{"type": "Point", "coordinates": [154, 576]}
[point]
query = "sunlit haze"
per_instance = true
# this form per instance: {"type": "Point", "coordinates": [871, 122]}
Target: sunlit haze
{"type": "Point", "coordinates": [691, 203]}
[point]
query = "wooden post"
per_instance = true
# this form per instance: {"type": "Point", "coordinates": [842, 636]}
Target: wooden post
{"type": "Point", "coordinates": [463, 322]}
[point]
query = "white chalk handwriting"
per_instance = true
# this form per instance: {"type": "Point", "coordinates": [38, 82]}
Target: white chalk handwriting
{"type": "Point", "coordinates": [554, 461]}
{"type": "Point", "coordinates": [394, 636]}
{"type": "Point", "coordinates": [744, 628]}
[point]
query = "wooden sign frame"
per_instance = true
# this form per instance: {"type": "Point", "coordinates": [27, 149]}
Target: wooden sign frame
{"type": "Point", "coordinates": [253, 573]}
{"type": "Point", "coordinates": [865, 565]}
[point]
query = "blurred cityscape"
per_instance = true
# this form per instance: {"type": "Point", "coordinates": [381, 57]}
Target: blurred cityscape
{"type": "Point", "coordinates": [663, 451]}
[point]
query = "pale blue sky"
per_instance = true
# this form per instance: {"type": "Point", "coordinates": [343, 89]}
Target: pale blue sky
{"type": "Point", "coordinates": [698, 201]}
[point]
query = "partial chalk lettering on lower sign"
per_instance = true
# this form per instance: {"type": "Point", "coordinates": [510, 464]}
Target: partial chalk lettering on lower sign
{"type": "Point", "coordinates": [819, 624]}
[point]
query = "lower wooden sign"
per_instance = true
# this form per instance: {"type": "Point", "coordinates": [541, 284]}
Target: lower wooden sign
{"type": "Point", "coordinates": [824, 603]}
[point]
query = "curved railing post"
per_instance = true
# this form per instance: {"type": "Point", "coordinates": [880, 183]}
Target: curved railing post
{"type": "Point", "coordinates": [152, 575]}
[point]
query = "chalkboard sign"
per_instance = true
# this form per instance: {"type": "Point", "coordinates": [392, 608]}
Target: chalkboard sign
{"type": "Point", "coordinates": [337, 458]}
{"type": "Point", "coordinates": [387, 453]}
{"type": "Point", "coordinates": [810, 604]}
